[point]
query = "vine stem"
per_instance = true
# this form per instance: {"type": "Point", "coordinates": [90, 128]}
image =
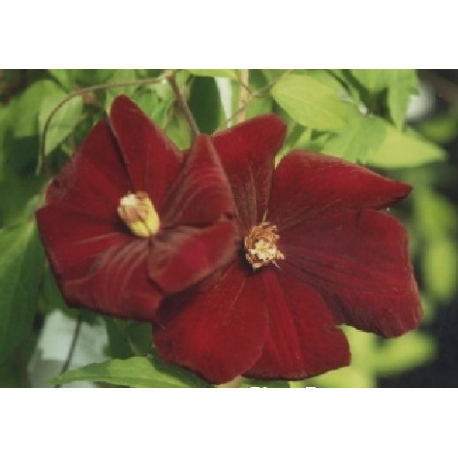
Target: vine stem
{"type": "Point", "coordinates": [71, 350]}
{"type": "Point", "coordinates": [184, 106]}
{"type": "Point", "coordinates": [243, 95]}
{"type": "Point", "coordinates": [86, 90]}
{"type": "Point", "coordinates": [251, 96]}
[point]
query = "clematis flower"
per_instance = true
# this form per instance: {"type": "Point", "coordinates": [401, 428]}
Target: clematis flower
{"type": "Point", "coordinates": [129, 220]}
{"type": "Point", "coordinates": [318, 251]}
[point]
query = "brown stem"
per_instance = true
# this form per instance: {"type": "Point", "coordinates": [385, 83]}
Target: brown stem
{"type": "Point", "coordinates": [82, 92]}
{"type": "Point", "coordinates": [243, 96]}
{"type": "Point", "coordinates": [184, 106]}
{"type": "Point", "coordinates": [253, 95]}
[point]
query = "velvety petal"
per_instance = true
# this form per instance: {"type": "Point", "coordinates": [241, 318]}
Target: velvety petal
{"type": "Point", "coordinates": [118, 283]}
{"type": "Point", "coordinates": [98, 265]}
{"type": "Point", "coordinates": [151, 158]}
{"type": "Point", "coordinates": [200, 194]}
{"type": "Point", "coordinates": [218, 333]}
{"type": "Point", "coordinates": [94, 179]}
{"type": "Point", "coordinates": [307, 184]}
{"type": "Point", "coordinates": [303, 339]}
{"type": "Point", "coordinates": [359, 262]}
{"type": "Point", "coordinates": [247, 153]}
{"type": "Point", "coordinates": [185, 255]}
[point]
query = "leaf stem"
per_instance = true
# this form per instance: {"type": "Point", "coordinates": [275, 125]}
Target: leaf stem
{"type": "Point", "coordinates": [253, 95]}
{"type": "Point", "coordinates": [243, 95]}
{"type": "Point", "coordinates": [184, 106]}
{"type": "Point", "coordinates": [71, 350]}
{"type": "Point", "coordinates": [81, 92]}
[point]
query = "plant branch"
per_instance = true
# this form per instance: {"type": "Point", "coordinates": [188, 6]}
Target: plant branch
{"type": "Point", "coordinates": [71, 350]}
{"type": "Point", "coordinates": [82, 92]}
{"type": "Point", "coordinates": [252, 95]}
{"type": "Point", "coordinates": [243, 95]}
{"type": "Point", "coordinates": [183, 106]}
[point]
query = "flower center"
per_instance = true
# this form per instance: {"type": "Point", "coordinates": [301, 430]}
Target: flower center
{"type": "Point", "coordinates": [260, 245]}
{"type": "Point", "coordinates": [138, 213]}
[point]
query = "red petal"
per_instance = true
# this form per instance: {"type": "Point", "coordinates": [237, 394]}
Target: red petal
{"type": "Point", "coordinates": [151, 158]}
{"type": "Point", "coordinates": [118, 283]}
{"type": "Point", "coordinates": [247, 153]}
{"type": "Point", "coordinates": [201, 193]}
{"type": "Point", "coordinates": [303, 339]}
{"type": "Point", "coordinates": [219, 333]}
{"type": "Point", "coordinates": [360, 264]}
{"type": "Point", "coordinates": [97, 266]}
{"type": "Point", "coordinates": [307, 184]}
{"type": "Point", "coordinates": [95, 178]}
{"type": "Point", "coordinates": [185, 255]}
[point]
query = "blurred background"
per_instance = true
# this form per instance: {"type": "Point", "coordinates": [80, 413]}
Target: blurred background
{"type": "Point", "coordinates": [427, 357]}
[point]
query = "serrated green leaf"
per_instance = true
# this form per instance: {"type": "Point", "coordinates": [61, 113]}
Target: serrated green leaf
{"type": "Point", "coordinates": [402, 85]}
{"type": "Point", "coordinates": [403, 149]}
{"type": "Point", "coordinates": [137, 372]}
{"type": "Point", "coordinates": [357, 140]}
{"type": "Point", "coordinates": [310, 102]}
{"type": "Point", "coordinates": [440, 268]}
{"type": "Point", "coordinates": [20, 275]}
{"type": "Point", "coordinates": [64, 120]}
{"type": "Point", "coordinates": [223, 73]}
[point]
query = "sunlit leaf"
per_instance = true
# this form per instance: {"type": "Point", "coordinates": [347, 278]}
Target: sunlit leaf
{"type": "Point", "coordinates": [137, 372]}
{"type": "Point", "coordinates": [21, 270]}
{"type": "Point", "coordinates": [310, 102]}
{"type": "Point", "coordinates": [363, 135]}
{"type": "Point", "coordinates": [403, 149]}
{"type": "Point", "coordinates": [374, 80]}
{"type": "Point", "coordinates": [402, 85]}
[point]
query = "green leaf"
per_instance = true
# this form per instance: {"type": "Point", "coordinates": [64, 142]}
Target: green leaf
{"type": "Point", "coordinates": [224, 73]}
{"type": "Point", "coordinates": [20, 275]}
{"type": "Point", "coordinates": [440, 268]}
{"type": "Point", "coordinates": [374, 80]}
{"type": "Point", "coordinates": [403, 149]}
{"type": "Point", "coordinates": [403, 353]}
{"type": "Point", "coordinates": [435, 215]}
{"type": "Point", "coordinates": [28, 105]}
{"type": "Point", "coordinates": [310, 102]}
{"type": "Point", "coordinates": [402, 85]}
{"type": "Point", "coordinates": [64, 120]}
{"type": "Point", "coordinates": [63, 77]}
{"type": "Point", "coordinates": [205, 104]}
{"type": "Point", "coordinates": [357, 140]}
{"type": "Point", "coordinates": [137, 372]}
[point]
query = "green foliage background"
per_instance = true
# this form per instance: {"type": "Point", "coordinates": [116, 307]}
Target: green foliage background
{"type": "Point", "coordinates": [359, 115]}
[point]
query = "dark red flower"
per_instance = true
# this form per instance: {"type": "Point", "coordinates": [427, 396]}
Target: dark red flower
{"type": "Point", "coordinates": [318, 251]}
{"type": "Point", "coordinates": [128, 220]}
